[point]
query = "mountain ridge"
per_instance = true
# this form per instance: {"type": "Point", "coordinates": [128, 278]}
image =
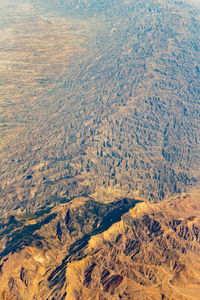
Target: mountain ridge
{"type": "Point", "coordinates": [151, 253]}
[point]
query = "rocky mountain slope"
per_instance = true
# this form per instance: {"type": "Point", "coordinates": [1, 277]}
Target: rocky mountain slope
{"type": "Point", "coordinates": [82, 250]}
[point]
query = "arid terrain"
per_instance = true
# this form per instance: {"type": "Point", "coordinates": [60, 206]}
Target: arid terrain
{"type": "Point", "coordinates": [99, 149]}
{"type": "Point", "coordinates": [81, 114]}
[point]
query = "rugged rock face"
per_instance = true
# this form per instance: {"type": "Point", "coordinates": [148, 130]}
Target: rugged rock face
{"type": "Point", "coordinates": [82, 250]}
{"type": "Point", "coordinates": [153, 253]}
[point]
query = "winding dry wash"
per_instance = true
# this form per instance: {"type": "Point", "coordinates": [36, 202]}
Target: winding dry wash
{"type": "Point", "coordinates": [99, 149]}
